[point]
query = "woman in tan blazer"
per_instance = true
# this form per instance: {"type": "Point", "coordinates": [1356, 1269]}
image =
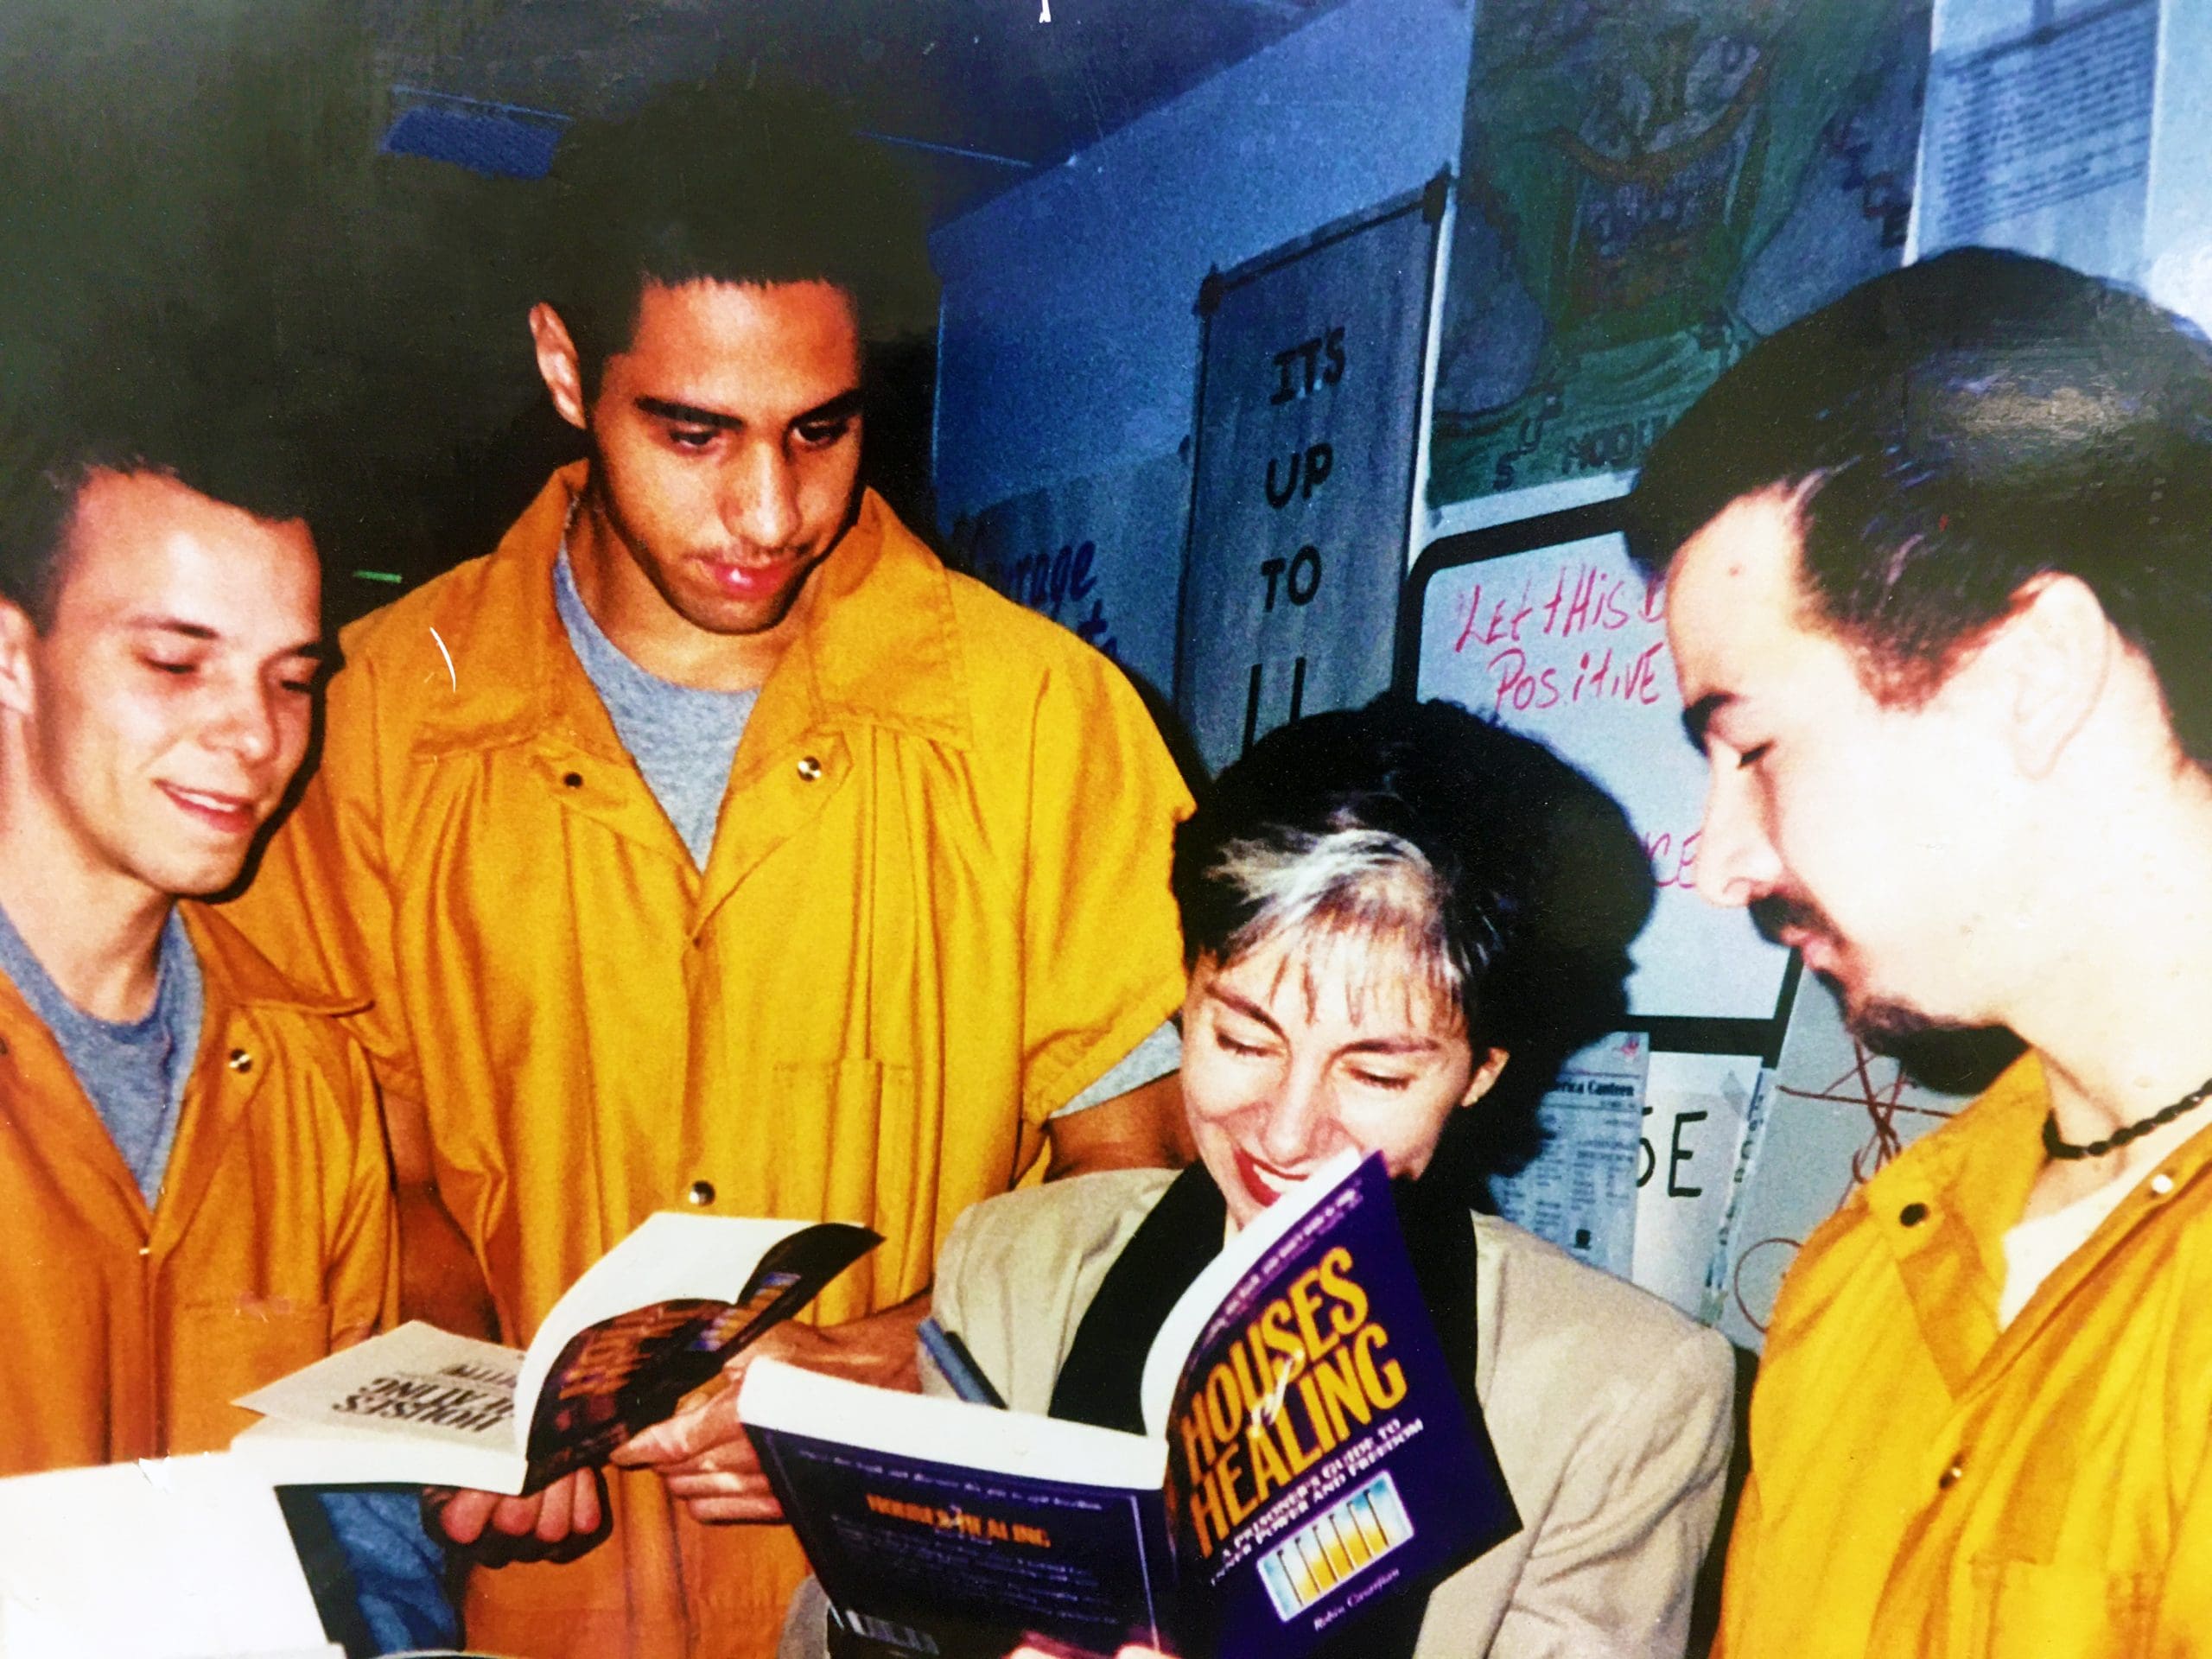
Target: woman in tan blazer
{"type": "Point", "coordinates": [1386, 913]}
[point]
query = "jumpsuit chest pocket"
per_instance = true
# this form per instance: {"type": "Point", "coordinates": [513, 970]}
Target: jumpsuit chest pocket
{"type": "Point", "coordinates": [220, 1350]}
{"type": "Point", "coordinates": [2035, 1610]}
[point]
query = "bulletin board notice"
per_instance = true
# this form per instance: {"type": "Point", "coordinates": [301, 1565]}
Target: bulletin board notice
{"type": "Point", "coordinates": [2040, 140]}
{"type": "Point", "coordinates": [1546, 627]}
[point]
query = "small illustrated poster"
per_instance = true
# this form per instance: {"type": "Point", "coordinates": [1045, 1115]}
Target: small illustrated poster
{"type": "Point", "coordinates": [1644, 191]}
{"type": "Point", "coordinates": [1580, 1191]}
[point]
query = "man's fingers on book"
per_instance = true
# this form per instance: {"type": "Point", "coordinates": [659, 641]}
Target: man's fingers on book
{"type": "Point", "coordinates": [563, 1522]}
{"type": "Point", "coordinates": [517, 1517]}
{"type": "Point", "coordinates": [570, 1505]}
{"type": "Point", "coordinates": [726, 1510]}
{"type": "Point", "coordinates": [660, 1443]}
{"type": "Point", "coordinates": [694, 1433]}
{"type": "Point", "coordinates": [689, 1484]}
{"type": "Point", "coordinates": [680, 1439]}
{"type": "Point", "coordinates": [589, 1515]}
{"type": "Point", "coordinates": [723, 1461]}
{"type": "Point", "coordinates": [461, 1515]}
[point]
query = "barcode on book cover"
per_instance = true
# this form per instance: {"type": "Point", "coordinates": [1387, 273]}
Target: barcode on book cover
{"type": "Point", "coordinates": [1348, 1539]}
{"type": "Point", "coordinates": [897, 1635]}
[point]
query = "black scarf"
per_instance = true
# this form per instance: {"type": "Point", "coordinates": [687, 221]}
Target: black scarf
{"type": "Point", "coordinates": [1099, 1382]}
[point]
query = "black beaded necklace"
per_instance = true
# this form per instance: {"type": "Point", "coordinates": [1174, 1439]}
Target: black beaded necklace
{"type": "Point", "coordinates": [2058, 1147]}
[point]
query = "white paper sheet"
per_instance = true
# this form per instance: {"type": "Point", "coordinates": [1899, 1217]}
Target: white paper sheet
{"type": "Point", "coordinates": [182, 1557]}
{"type": "Point", "coordinates": [1695, 1111]}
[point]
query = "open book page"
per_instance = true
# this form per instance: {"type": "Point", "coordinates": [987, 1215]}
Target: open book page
{"type": "Point", "coordinates": [939, 1526]}
{"type": "Point", "coordinates": [653, 1319]}
{"type": "Point", "coordinates": [796, 1400]}
{"type": "Point", "coordinates": [1195, 1309]}
{"type": "Point", "coordinates": [418, 1405]}
{"type": "Point", "coordinates": [657, 1316]}
{"type": "Point", "coordinates": [185, 1558]}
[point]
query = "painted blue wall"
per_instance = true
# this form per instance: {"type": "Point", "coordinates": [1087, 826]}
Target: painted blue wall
{"type": "Point", "coordinates": [1070, 346]}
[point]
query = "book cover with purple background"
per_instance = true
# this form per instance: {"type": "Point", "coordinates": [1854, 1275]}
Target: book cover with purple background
{"type": "Point", "coordinates": [1313, 1456]}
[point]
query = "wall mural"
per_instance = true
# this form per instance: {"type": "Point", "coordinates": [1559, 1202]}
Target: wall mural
{"type": "Point", "coordinates": [1645, 188]}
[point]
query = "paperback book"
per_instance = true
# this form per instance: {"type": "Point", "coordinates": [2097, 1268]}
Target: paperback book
{"type": "Point", "coordinates": [652, 1320]}
{"type": "Point", "coordinates": [1308, 1453]}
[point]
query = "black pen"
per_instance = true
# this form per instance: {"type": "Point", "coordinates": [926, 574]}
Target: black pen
{"type": "Point", "coordinates": [951, 1356]}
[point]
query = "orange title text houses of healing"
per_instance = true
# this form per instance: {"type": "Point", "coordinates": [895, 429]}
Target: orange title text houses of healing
{"type": "Point", "coordinates": [1310, 1370]}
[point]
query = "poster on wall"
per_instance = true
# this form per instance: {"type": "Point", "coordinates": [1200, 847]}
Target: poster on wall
{"type": "Point", "coordinates": [2038, 132]}
{"type": "Point", "coordinates": [1301, 499]}
{"type": "Point", "coordinates": [1547, 628]}
{"type": "Point", "coordinates": [1101, 554]}
{"type": "Point", "coordinates": [1646, 189]}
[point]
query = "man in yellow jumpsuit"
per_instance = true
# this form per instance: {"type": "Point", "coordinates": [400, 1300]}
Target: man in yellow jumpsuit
{"type": "Point", "coordinates": [197, 1196]}
{"type": "Point", "coordinates": [1940, 601]}
{"type": "Point", "coordinates": [709, 845]}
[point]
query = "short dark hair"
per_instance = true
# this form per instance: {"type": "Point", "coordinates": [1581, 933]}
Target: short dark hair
{"type": "Point", "coordinates": [1952, 430]}
{"type": "Point", "coordinates": [114, 416]}
{"type": "Point", "coordinates": [718, 184]}
{"type": "Point", "coordinates": [1534, 884]}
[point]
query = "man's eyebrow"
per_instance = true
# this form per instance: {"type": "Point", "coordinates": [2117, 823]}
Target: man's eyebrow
{"type": "Point", "coordinates": [1697, 719]}
{"type": "Point", "coordinates": [175, 625]}
{"type": "Point", "coordinates": [844, 405]}
{"type": "Point", "coordinates": [690, 415]}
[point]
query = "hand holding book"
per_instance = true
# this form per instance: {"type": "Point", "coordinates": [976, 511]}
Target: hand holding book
{"type": "Point", "coordinates": [559, 1521]}
{"type": "Point", "coordinates": [704, 1453]}
{"type": "Point", "coordinates": [1309, 1451]}
{"type": "Point", "coordinates": [656, 1318]}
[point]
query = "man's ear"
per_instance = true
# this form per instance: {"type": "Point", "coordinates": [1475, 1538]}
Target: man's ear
{"type": "Point", "coordinates": [1486, 1074]}
{"type": "Point", "coordinates": [2056, 647]}
{"type": "Point", "coordinates": [18, 692]}
{"type": "Point", "coordinates": [558, 364]}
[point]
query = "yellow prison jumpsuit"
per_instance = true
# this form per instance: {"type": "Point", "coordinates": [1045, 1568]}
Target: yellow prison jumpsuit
{"type": "Point", "coordinates": [1923, 1484]}
{"type": "Point", "coordinates": [935, 908]}
{"type": "Point", "coordinates": [128, 1333]}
